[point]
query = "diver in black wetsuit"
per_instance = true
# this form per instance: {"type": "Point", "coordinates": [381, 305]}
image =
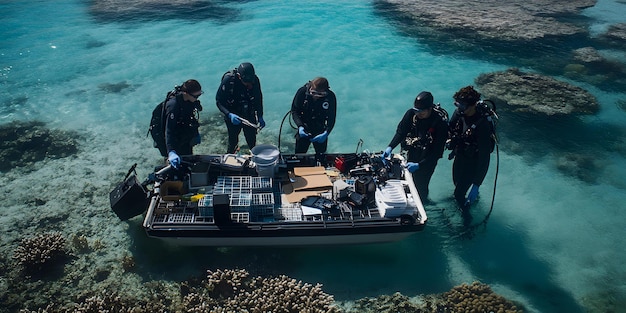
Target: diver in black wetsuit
{"type": "Point", "coordinates": [314, 109]}
{"type": "Point", "coordinates": [422, 131]}
{"type": "Point", "coordinates": [471, 139]}
{"type": "Point", "coordinates": [181, 122]}
{"type": "Point", "coordinates": [239, 97]}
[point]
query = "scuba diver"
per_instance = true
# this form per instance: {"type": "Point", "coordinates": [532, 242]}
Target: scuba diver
{"type": "Point", "coordinates": [240, 99]}
{"type": "Point", "coordinates": [314, 109]}
{"type": "Point", "coordinates": [182, 121]}
{"type": "Point", "coordinates": [471, 139]}
{"type": "Point", "coordinates": [422, 132]}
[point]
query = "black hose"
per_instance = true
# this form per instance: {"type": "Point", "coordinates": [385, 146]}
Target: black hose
{"type": "Point", "coordinates": [470, 228]}
{"type": "Point", "coordinates": [280, 130]}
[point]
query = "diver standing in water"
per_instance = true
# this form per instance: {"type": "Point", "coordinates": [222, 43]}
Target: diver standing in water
{"type": "Point", "coordinates": [182, 122]}
{"type": "Point", "coordinates": [240, 99]}
{"type": "Point", "coordinates": [422, 131]}
{"type": "Point", "coordinates": [314, 109]}
{"type": "Point", "coordinates": [471, 139]}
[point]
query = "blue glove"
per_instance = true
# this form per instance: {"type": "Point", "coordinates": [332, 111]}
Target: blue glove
{"type": "Point", "coordinates": [234, 118]}
{"type": "Point", "coordinates": [174, 159]}
{"type": "Point", "coordinates": [387, 152]}
{"type": "Point", "coordinates": [302, 133]}
{"type": "Point", "coordinates": [262, 121]}
{"type": "Point", "coordinates": [412, 166]}
{"type": "Point", "coordinates": [473, 194]}
{"type": "Point", "coordinates": [196, 140]}
{"type": "Point", "coordinates": [321, 137]}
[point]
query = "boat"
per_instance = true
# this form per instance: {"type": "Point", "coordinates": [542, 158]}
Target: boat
{"type": "Point", "coordinates": [268, 198]}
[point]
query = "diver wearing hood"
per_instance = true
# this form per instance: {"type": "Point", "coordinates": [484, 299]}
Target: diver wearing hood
{"type": "Point", "coordinates": [239, 98]}
{"type": "Point", "coordinates": [471, 139]}
{"type": "Point", "coordinates": [314, 109]}
{"type": "Point", "coordinates": [422, 132]}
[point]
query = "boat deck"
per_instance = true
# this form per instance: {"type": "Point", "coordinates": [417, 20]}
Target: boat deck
{"type": "Point", "coordinates": [252, 199]}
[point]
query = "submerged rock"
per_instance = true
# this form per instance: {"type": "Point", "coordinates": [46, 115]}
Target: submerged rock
{"type": "Point", "coordinates": [23, 143]}
{"type": "Point", "coordinates": [550, 38]}
{"type": "Point", "coordinates": [502, 20]}
{"type": "Point", "coordinates": [582, 166]}
{"type": "Point", "coordinates": [119, 10]}
{"type": "Point", "coordinates": [535, 93]}
{"type": "Point", "coordinates": [115, 87]}
{"type": "Point", "coordinates": [621, 104]}
{"type": "Point", "coordinates": [588, 55]}
{"type": "Point", "coordinates": [615, 36]}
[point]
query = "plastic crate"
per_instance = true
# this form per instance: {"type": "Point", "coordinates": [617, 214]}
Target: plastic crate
{"type": "Point", "coordinates": [263, 204]}
{"type": "Point", "coordinates": [180, 218]}
{"type": "Point", "coordinates": [289, 213]}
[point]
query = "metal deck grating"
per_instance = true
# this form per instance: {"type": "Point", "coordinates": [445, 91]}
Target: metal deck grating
{"type": "Point", "coordinates": [240, 217]}
{"type": "Point", "coordinates": [232, 184]}
{"type": "Point", "coordinates": [290, 213]}
{"type": "Point", "coordinates": [239, 184]}
{"type": "Point", "coordinates": [241, 199]}
{"type": "Point", "coordinates": [262, 204]}
{"type": "Point", "coordinates": [261, 183]}
{"type": "Point", "coordinates": [206, 201]}
{"type": "Point", "coordinates": [263, 199]}
{"type": "Point", "coordinates": [180, 218]}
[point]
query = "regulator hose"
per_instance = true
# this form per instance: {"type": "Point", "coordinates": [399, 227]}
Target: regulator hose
{"type": "Point", "coordinates": [280, 130]}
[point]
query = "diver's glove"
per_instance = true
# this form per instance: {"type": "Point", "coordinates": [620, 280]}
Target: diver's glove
{"type": "Point", "coordinates": [387, 152]}
{"type": "Point", "coordinates": [412, 166]}
{"type": "Point", "coordinates": [472, 195]}
{"type": "Point", "coordinates": [261, 122]}
{"type": "Point", "coordinates": [196, 140]}
{"type": "Point", "coordinates": [234, 118]}
{"type": "Point", "coordinates": [321, 137]}
{"type": "Point", "coordinates": [302, 132]}
{"type": "Point", "coordinates": [174, 159]}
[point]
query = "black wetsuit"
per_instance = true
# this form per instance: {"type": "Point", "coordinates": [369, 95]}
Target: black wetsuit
{"type": "Point", "coordinates": [233, 97]}
{"type": "Point", "coordinates": [472, 144]}
{"type": "Point", "coordinates": [316, 115]}
{"type": "Point", "coordinates": [427, 139]}
{"type": "Point", "coordinates": [181, 124]}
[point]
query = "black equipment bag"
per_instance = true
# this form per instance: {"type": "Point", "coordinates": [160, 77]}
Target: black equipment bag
{"type": "Point", "coordinates": [129, 198]}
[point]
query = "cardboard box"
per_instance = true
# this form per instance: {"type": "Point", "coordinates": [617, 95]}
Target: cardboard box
{"type": "Point", "coordinates": [309, 181]}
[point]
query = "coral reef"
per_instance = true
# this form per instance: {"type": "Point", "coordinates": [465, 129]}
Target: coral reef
{"type": "Point", "coordinates": [529, 34]}
{"type": "Point", "coordinates": [236, 291]}
{"type": "Point", "coordinates": [23, 143]}
{"type": "Point", "coordinates": [80, 243]}
{"type": "Point", "coordinates": [535, 93]}
{"type": "Point", "coordinates": [396, 303]}
{"type": "Point", "coordinates": [582, 166]}
{"type": "Point", "coordinates": [615, 36]}
{"type": "Point", "coordinates": [116, 10]}
{"type": "Point", "coordinates": [112, 302]}
{"type": "Point", "coordinates": [39, 252]}
{"type": "Point", "coordinates": [477, 297]}
{"type": "Point", "coordinates": [504, 20]}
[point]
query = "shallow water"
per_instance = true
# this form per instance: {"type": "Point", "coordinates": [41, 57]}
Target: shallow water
{"type": "Point", "coordinates": [552, 240]}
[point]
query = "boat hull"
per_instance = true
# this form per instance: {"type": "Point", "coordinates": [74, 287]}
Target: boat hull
{"type": "Point", "coordinates": [288, 234]}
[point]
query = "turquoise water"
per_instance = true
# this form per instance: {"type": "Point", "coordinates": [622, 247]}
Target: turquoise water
{"type": "Point", "coordinates": [552, 242]}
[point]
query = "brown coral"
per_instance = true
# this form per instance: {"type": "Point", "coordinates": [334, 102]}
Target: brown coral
{"type": "Point", "coordinates": [35, 253]}
{"type": "Point", "coordinates": [112, 302]}
{"type": "Point", "coordinates": [477, 297]}
{"type": "Point", "coordinates": [235, 291]}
